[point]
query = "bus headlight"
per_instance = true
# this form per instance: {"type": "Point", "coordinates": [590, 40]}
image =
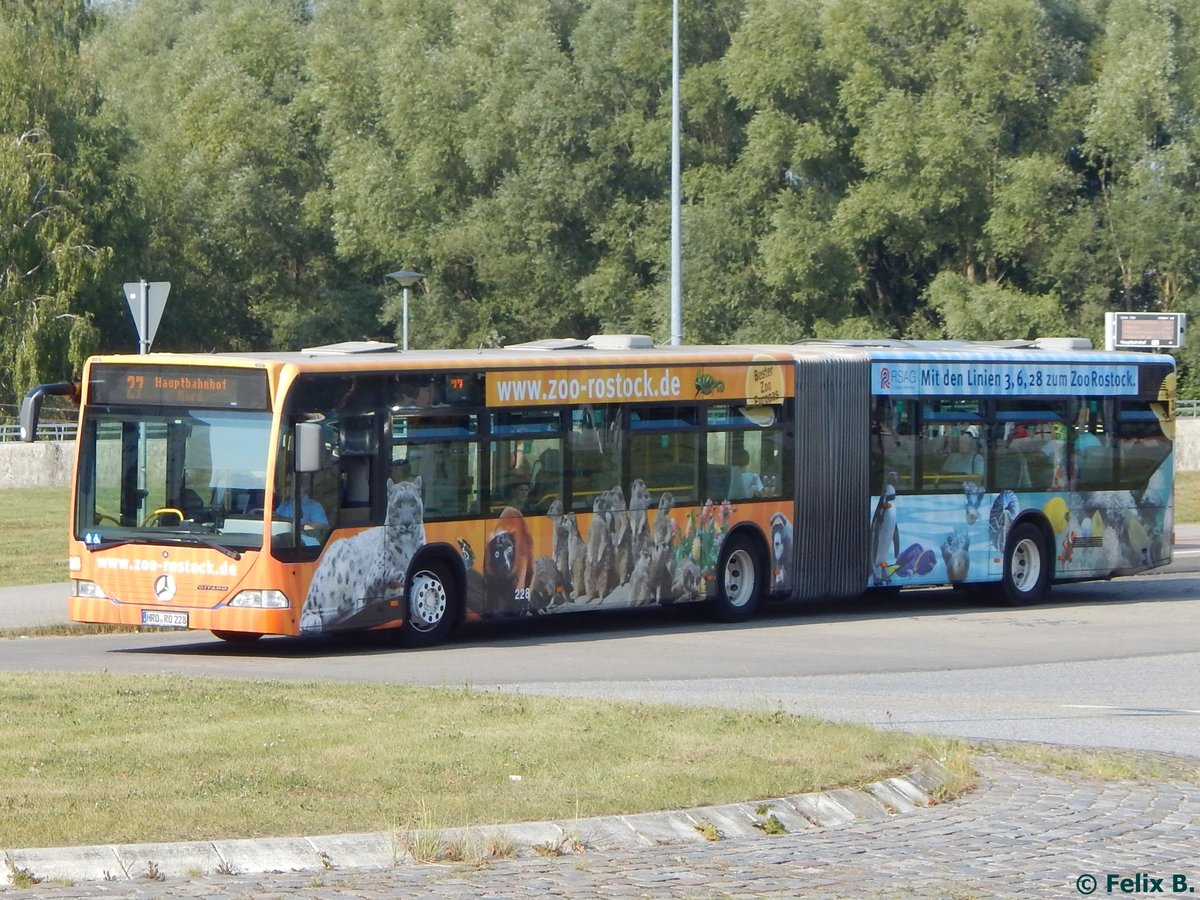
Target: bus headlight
{"type": "Point", "coordinates": [260, 600]}
{"type": "Point", "coordinates": [88, 589]}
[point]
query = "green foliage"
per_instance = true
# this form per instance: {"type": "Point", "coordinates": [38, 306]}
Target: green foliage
{"type": "Point", "coordinates": [851, 168]}
{"type": "Point", "coordinates": [49, 144]}
{"type": "Point", "coordinates": [985, 312]}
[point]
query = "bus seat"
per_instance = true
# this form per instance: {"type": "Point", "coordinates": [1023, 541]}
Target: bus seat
{"type": "Point", "coordinates": [1012, 472]}
{"type": "Point", "coordinates": [1093, 466]}
{"type": "Point", "coordinates": [547, 473]}
{"type": "Point", "coordinates": [719, 482]}
{"type": "Point", "coordinates": [1041, 470]}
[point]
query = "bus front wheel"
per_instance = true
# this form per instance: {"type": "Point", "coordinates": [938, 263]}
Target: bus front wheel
{"type": "Point", "coordinates": [431, 607]}
{"type": "Point", "coordinates": [1027, 566]}
{"type": "Point", "coordinates": [237, 637]}
{"type": "Point", "coordinates": [740, 581]}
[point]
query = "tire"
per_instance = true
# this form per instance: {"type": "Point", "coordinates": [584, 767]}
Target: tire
{"type": "Point", "coordinates": [740, 581]}
{"type": "Point", "coordinates": [1027, 567]}
{"type": "Point", "coordinates": [431, 607]}
{"type": "Point", "coordinates": [237, 637]}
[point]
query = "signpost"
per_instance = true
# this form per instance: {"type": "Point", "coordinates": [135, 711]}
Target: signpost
{"type": "Point", "coordinates": [146, 301]}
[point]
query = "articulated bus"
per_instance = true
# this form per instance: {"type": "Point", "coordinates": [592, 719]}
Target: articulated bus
{"type": "Point", "coordinates": [354, 487]}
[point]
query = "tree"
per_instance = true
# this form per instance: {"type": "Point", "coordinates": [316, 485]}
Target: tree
{"type": "Point", "coordinates": [229, 175]}
{"type": "Point", "coordinates": [53, 151]}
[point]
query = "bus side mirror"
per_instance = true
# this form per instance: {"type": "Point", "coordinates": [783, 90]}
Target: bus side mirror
{"type": "Point", "coordinates": [31, 406]}
{"type": "Point", "coordinates": [308, 447]}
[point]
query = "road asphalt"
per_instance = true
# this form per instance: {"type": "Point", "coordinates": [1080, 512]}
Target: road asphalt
{"type": "Point", "coordinates": [886, 838]}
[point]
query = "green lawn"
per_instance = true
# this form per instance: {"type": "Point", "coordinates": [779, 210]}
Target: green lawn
{"type": "Point", "coordinates": [1187, 497]}
{"type": "Point", "coordinates": [89, 759]}
{"type": "Point", "coordinates": [33, 533]}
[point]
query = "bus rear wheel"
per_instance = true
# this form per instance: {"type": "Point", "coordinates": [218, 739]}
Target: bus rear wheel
{"type": "Point", "coordinates": [1027, 566]}
{"type": "Point", "coordinates": [740, 581]}
{"type": "Point", "coordinates": [431, 607]}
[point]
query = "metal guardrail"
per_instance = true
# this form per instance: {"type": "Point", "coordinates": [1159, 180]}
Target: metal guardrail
{"type": "Point", "coordinates": [47, 431]}
{"type": "Point", "coordinates": [1187, 409]}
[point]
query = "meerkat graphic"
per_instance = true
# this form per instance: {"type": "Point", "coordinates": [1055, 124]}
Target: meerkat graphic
{"type": "Point", "coordinates": [577, 557]}
{"type": "Point", "coordinates": [599, 574]}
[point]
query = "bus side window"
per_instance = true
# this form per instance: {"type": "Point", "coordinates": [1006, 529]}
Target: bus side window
{"type": "Point", "coordinates": [665, 450]}
{"type": "Point", "coordinates": [893, 447]}
{"type": "Point", "coordinates": [744, 457]}
{"type": "Point", "coordinates": [1031, 444]}
{"type": "Point", "coordinates": [443, 450]}
{"type": "Point", "coordinates": [1091, 448]}
{"type": "Point", "coordinates": [1142, 445]}
{"type": "Point", "coordinates": [951, 449]}
{"type": "Point", "coordinates": [526, 446]}
{"type": "Point", "coordinates": [593, 461]}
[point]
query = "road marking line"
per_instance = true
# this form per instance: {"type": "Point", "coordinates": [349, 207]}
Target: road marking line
{"type": "Point", "coordinates": [1140, 710]}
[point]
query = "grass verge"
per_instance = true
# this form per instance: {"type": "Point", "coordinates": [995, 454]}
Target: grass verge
{"type": "Point", "coordinates": [1187, 496]}
{"type": "Point", "coordinates": [33, 533]}
{"type": "Point", "coordinates": [107, 758]}
{"type": "Point", "coordinates": [1103, 765]}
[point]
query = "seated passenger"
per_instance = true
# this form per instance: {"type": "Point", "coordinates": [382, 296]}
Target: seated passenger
{"type": "Point", "coordinates": [744, 485]}
{"type": "Point", "coordinates": [518, 496]}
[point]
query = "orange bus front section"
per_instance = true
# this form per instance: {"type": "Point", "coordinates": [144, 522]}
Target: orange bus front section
{"type": "Point", "coordinates": [171, 586]}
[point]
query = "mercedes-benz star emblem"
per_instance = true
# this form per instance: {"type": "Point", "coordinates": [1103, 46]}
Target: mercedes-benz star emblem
{"type": "Point", "coordinates": [164, 588]}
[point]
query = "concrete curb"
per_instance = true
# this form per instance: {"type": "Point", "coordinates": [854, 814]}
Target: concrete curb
{"type": "Point", "coordinates": [382, 850]}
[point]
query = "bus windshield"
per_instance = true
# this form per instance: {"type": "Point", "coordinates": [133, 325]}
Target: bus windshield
{"type": "Point", "coordinates": [193, 476]}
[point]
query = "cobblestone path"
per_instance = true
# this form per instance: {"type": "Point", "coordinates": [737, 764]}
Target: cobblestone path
{"type": "Point", "coordinates": [1023, 833]}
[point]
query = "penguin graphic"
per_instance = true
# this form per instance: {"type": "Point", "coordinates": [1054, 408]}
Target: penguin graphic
{"type": "Point", "coordinates": [885, 537]}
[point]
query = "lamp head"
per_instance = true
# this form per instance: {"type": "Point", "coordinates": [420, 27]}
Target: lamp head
{"type": "Point", "coordinates": [406, 279]}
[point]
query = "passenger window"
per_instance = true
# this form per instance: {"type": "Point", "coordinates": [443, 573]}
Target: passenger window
{"type": "Point", "coordinates": [443, 450]}
{"type": "Point", "coordinates": [526, 460]}
{"type": "Point", "coordinates": [893, 444]}
{"type": "Point", "coordinates": [745, 453]}
{"type": "Point", "coordinates": [1030, 445]}
{"type": "Point", "coordinates": [665, 450]}
{"type": "Point", "coordinates": [593, 455]}
{"type": "Point", "coordinates": [1142, 444]}
{"type": "Point", "coordinates": [952, 451]}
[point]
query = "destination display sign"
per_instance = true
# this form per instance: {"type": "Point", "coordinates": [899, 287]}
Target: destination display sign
{"type": "Point", "coordinates": [941, 378]}
{"type": "Point", "coordinates": [190, 386]}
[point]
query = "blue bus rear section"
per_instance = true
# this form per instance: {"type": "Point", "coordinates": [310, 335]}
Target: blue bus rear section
{"type": "Point", "coordinates": [970, 441]}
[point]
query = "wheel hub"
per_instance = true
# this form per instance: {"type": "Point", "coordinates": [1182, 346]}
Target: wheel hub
{"type": "Point", "coordinates": [427, 602]}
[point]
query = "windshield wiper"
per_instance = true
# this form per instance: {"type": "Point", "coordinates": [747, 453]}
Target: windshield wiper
{"type": "Point", "coordinates": [197, 540]}
{"type": "Point", "coordinates": [173, 537]}
{"type": "Point", "coordinates": [107, 544]}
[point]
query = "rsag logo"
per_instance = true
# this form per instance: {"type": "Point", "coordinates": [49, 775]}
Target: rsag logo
{"type": "Point", "coordinates": [897, 379]}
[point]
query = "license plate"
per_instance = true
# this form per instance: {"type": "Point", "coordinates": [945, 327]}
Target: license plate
{"type": "Point", "coordinates": [162, 619]}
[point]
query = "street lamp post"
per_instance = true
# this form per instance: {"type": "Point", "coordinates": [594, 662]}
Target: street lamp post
{"type": "Point", "coordinates": [676, 190]}
{"type": "Point", "coordinates": [406, 280]}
